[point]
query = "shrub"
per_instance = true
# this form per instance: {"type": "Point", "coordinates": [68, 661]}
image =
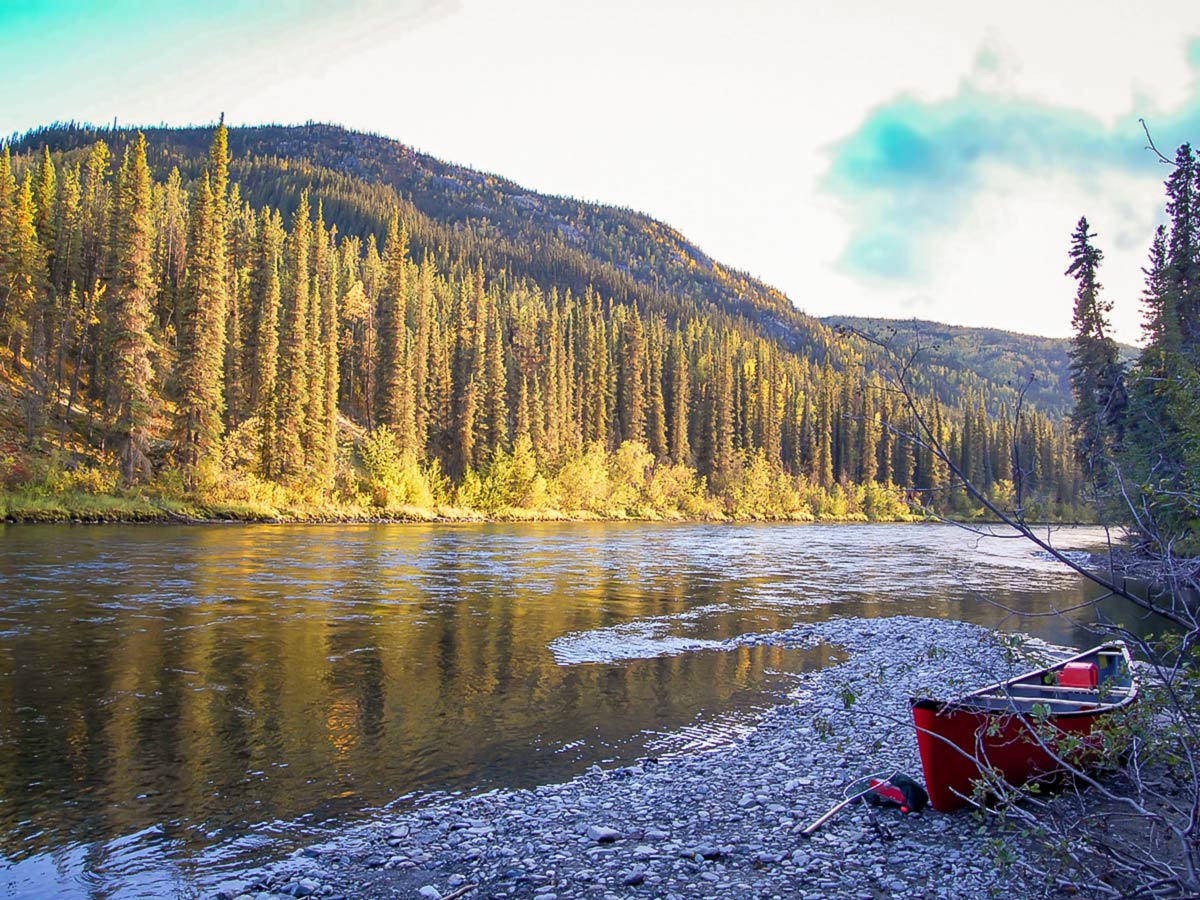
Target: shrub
{"type": "Point", "coordinates": [392, 478]}
{"type": "Point", "coordinates": [511, 481]}
{"type": "Point", "coordinates": [582, 483]}
{"type": "Point", "coordinates": [628, 477]}
{"type": "Point", "coordinates": [763, 490]}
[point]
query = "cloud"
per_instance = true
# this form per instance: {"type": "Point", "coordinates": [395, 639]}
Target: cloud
{"type": "Point", "coordinates": [914, 169]}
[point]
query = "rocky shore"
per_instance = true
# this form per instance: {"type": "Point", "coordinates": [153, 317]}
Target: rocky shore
{"type": "Point", "coordinates": [719, 824]}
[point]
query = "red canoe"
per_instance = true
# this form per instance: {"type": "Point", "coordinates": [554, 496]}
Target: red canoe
{"type": "Point", "coordinates": [992, 726]}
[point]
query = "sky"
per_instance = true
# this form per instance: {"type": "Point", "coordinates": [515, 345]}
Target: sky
{"type": "Point", "coordinates": [924, 159]}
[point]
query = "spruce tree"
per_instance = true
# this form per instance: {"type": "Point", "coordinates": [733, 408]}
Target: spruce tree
{"type": "Point", "coordinates": [315, 426]}
{"type": "Point", "coordinates": [24, 275]}
{"type": "Point", "coordinates": [656, 413]}
{"type": "Point", "coordinates": [494, 416]}
{"type": "Point", "coordinates": [464, 373]}
{"type": "Point", "coordinates": [631, 378]}
{"type": "Point", "coordinates": [263, 333]}
{"type": "Point", "coordinates": [201, 401]}
{"type": "Point", "coordinates": [1183, 248]}
{"type": "Point", "coordinates": [64, 276]}
{"type": "Point", "coordinates": [286, 456]}
{"type": "Point", "coordinates": [422, 336]}
{"type": "Point", "coordinates": [393, 329]}
{"type": "Point", "coordinates": [679, 400]}
{"type": "Point", "coordinates": [327, 276]}
{"type": "Point", "coordinates": [131, 290]}
{"type": "Point", "coordinates": [1096, 377]}
{"type": "Point", "coordinates": [95, 212]}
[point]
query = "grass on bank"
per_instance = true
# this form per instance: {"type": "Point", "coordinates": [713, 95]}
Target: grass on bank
{"type": "Point", "coordinates": [376, 480]}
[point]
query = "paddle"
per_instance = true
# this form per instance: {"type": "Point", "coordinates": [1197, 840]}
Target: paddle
{"type": "Point", "coordinates": [895, 790]}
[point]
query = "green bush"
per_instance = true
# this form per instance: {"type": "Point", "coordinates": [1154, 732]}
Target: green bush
{"type": "Point", "coordinates": [763, 490]}
{"type": "Point", "coordinates": [582, 483]}
{"type": "Point", "coordinates": [392, 478]}
{"type": "Point", "coordinates": [511, 481]}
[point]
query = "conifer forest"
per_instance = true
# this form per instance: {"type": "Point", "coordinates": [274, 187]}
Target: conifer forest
{"type": "Point", "coordinates": [305, 322]}
{"type": "Point", "coordinates": [1136, 424]}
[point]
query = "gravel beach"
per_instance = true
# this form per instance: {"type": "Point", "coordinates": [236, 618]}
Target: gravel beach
{"type": "Point", "coordinates": [722, 823]}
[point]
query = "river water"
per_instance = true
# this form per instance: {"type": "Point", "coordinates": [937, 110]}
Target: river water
{"type": "Point", "coordinates": [179, 703]}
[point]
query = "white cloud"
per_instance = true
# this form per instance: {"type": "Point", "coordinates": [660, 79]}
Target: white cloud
{"type": "Point", "coordinates": [714, 117]}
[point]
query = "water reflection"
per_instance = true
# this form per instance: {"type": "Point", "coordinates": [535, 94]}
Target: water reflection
{"type": "Point", "coordinates": [174, 695]}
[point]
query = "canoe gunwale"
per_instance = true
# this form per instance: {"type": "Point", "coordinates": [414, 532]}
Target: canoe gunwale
{"type": "Point", "coordinates": [1128, 695]}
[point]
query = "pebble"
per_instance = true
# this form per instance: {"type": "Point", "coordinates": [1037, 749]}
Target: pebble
{"type": "Point", "coordinates": [602, 834]}
{"type": "Point", "coordinates": [718, 824]}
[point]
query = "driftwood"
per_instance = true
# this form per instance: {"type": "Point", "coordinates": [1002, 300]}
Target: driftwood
{"type": "Point", "coordinates": [460, 892]}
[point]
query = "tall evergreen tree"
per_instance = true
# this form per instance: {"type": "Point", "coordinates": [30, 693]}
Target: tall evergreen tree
{"type": "Point", "coordinates": [201, 401]}
{"type": "Point", "coordinates": [286, 457]}
{"type": "Point", "coordinates": [494, 418]}
{"type": "Point", "coordinates": [631, 378]}
{"type": "Point", "coordinates": [1096, 376]}
{"type": "Point", "coordinates": [24, 275]}
{"type": "Point", "coordinates": [327, 280]}
{"type": "Point", "coordinates": [263, 331]}
{"type": "Point", "coordinates": [656, 411]}
{"type": "Point", "coordinates": [45, 193]}
{"type": "Point", "coordinates": [679, 400]}
{"type": "Point", "coordinates": [393, 328]}
{"type": "Point", "coordinates": [130, 294]}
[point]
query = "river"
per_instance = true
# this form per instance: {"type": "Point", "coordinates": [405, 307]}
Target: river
{"type": "Point", "coordinates": [182, 702]}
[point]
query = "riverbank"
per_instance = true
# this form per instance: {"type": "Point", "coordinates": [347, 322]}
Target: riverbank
{"type": "Point", "coordinates": [718, 824]}
{"type": "Point", "coordinates": [85, 508]}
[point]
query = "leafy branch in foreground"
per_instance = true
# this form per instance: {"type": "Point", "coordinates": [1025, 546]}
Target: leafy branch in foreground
{"type": "Point", "coordinates": [1135, 832]}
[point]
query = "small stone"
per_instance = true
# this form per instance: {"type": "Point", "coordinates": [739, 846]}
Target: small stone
{"type": "Point", "coordinates": [430, 892]}
{"type": "Point", "coordinates": [602, 834]}
{"type": "Point", "coordinates": [634, 877]}
{"type": "Point", "coordinates": [374, 861]}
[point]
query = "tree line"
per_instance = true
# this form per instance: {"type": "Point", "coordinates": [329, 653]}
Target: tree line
{"type": "Point", "coordinates": [201, 334]}
{"type": "Point", "coordinates": [1136, 428]}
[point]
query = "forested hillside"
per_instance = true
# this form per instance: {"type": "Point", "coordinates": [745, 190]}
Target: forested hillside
{"type": "Point", "coordinates": [1037, 365]}
{"type": "Point", "coordinates": [264, 320]}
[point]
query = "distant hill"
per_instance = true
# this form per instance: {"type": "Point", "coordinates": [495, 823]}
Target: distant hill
{"type": "Point", "coordinates": [1039, 365]}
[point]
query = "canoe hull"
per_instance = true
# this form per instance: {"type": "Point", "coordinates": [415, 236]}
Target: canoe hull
{"type": "Point", "coordinates": [992, 730]}
{"type": "Point", "coordinates": [955, 741]}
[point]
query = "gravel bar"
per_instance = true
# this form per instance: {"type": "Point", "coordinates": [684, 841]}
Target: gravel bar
{"type": "Point", "coordinates": [722, 823]}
